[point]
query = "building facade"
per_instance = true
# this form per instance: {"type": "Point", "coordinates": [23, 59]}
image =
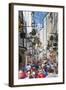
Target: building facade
{"type": "Point", "coordinates": [47, 35]}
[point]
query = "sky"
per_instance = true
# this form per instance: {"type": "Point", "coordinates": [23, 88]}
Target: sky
{"type": "Point", "coordinates": [39, 17]}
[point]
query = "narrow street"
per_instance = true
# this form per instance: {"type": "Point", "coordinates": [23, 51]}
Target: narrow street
{"type": "Point", "coordinates": [38, 45]}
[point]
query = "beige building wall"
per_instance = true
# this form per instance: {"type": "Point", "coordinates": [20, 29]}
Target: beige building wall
{"type": "Point", "coordinates": [51, 26]}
